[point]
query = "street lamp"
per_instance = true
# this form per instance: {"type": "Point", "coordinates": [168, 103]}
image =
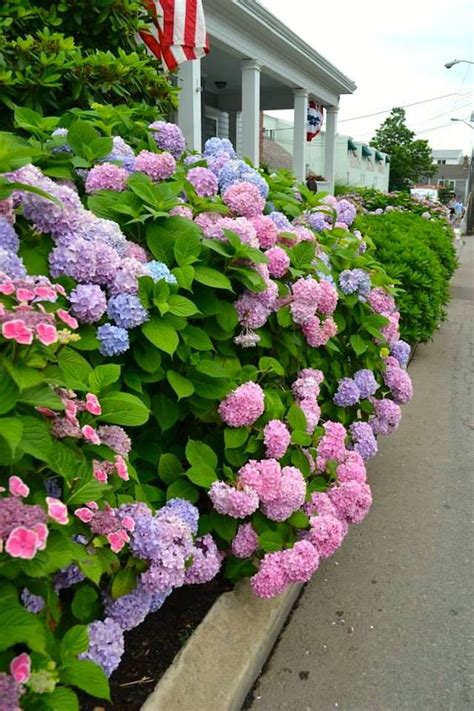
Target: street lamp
{"type": "Point", "coordinates": [448, 65]}
{"type": "Point", "coordinates": [462, 121]}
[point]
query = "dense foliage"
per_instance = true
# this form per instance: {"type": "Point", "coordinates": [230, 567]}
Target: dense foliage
{"type": "Point", "coordinates": [59, 55]}
{"type": "Point", "coordinates": [410, 159]}
{"type": "Point", "coordinates": [238, 329]}
{"type": "Point", "coordinates": [419, 254]}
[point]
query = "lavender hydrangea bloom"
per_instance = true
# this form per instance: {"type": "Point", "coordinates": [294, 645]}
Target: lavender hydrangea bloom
{"type": "Point", "coordinates": [122, 152]}
{"type": "Point", "coordinates": [113, 340]}
{"type": "Point", "coordinates": [206, 561]}
{"type": "Point", "coordinates": [159, 270]}
{"type": "Point", "coordinates": [401, 351]}
{"type": "Point", "coordinates": [116, 438]}
{"type": "Point", "coordinates": [33, 603]}
{"type": "Point", "coordinates": [106, 644]}
{"type": "Point", "coordinates": [96, 229]}
{"type": "Point", "coordinates": [366, 382]}
{"type": "Point", "coordinates": [168, 137]}
{"type": "Point", "coordinates": [316, 221]}
{"type": "Point", "coordinates": [280, 220]}
{"type": "Point", "coordinates": [8, 237]}
{"type": "Point", "coordinates": [184, 510]}
{"type": "Point", "coordinates": [354, 280]}
{"type": "Point", "coordinates": [158, 598]}
{"type": "Point", "coordinates": [129, 610]}
{"type": "Point", "coordinates": [67, 577]}
{"type": "Point", "coordinates": [51, 217]}
{"type": "Point", "coordinates": [214, 146]}
{"type": "Point", "coordinates": [53, 487]}
{"type": "Point", "coordinates": [237, 171]}
{"type": "Point", "coordinates": [364, 440]}
{"type": "Point", "coordinates": [11, 265]}
{"type": "Point", "coordinates": [84, 261]}
{"type": "Point", "coordinates": [88, 303]}
{"type": "Point", "coordinates": [126, 310]}
{"type": "Point", "coordinates": [10, 692]}
{"type": "Point", "coordinates": [347, 393]}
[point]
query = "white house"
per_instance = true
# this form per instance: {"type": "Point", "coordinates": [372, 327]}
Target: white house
{"type": "Point", "coordinates": [356, 163]}
{"type": "Point", "coordinates": [447, 156]}
{"type": "Point", "coordinates": [255, 64]}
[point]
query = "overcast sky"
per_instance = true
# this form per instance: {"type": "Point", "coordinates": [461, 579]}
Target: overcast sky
{"type": "Point", "coordinates": [395, 52]}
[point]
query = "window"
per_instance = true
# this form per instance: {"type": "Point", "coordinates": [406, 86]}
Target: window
{"type": "Point", "coordinates": [441, 162]}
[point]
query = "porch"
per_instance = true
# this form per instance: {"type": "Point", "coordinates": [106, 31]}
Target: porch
{"type": "Point", "coordinates": [257, 64]}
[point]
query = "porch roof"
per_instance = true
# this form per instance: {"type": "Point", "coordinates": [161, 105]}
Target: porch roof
{"type": "Point", "coordinates": [241, 29]}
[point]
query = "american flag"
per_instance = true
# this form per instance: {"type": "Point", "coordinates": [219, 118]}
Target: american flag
{"type": "Point", "coordinates": [178, 31]}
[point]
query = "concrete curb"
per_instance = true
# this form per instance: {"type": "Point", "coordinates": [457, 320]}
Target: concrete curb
{"type": "Point", "coordinates": [218, 666]}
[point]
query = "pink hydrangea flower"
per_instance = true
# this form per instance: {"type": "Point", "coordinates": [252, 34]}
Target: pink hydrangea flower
{"type": "Point", "coordinates": [90, 435]}
{"type": "Point", "coordinates": [381, 301]}
{"type": "Point", "coordinates": [22, 543]}
{"type": "Point", "coordinates": [117, 540]}
{"type": "Point", "coordinates": [230, 501]}
{"type": "Point", "coordinates": [320, 504]}
{"type": "Point", "coordinates": [243, 406]}
{"type": "Point", "coordinates": [106, 176]}
{"type": "Point", "coordinates": [244, 199]}
{"type": "Point", "coordinates": [300, 562]}
{"type": "Point", "coordinates": [46, 333]}
{"type": "Point", "coordinates": [101, 471]}
{"type": "Point", "coordinates": [20, 668]}
{"type": "Point", "coordinates": [23, 294]}
{"type": "Point", "coordinates": [327, 298]}
{"type": "Point", "coordinates": [267, 231]}
{"type": "Point", "coordinates": [17, 330]}
{"type": "Point", "coordinates": [332, 444]}
{"type": "Point", "coordinates": [93, 404]}
{"type": "Point", "coordinates": [57, 510]}
{"type": "Point", "coordinates": [42, 533]}
{"type": "Point", "coordinates": [245, 542]}
{"type": "Point", "coordinates": [264, 477]}
{"type": "Point", "coordinates": [276, 438]}
{"type": "Point", "coordinates": [291, 495]}
{"type": "Point", "coordinates": [66, 317]}
{"type": "Point", "coordinates": [352, 500]}
{"type": "Point", "coordinates": [84, 514]}
{"type": "Point", "coordinates": [121, 467]}
{"type": "Point", "coordinates": [270, 580]}
{"type": "Point", "coordinates": [352, 468]}
{"type": "Point", "coordinates": [398, 380]}
{"type": "Point", "coordinates": [278, 261]}
{"type": "Point", "coordinates": [203, 181]}
{"type": "Point", "coordinates": [17, 486]}
{"type": "Point", "coordinates": [326, 534]}
{"type": "Point", "coordinates": [158, 166]}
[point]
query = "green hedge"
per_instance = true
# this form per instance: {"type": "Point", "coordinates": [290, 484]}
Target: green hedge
{"type": "Point", "coordinates": [418, 254]}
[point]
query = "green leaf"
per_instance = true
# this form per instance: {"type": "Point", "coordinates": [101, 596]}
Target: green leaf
{"type": "Point", "coordinates": [271, 541]}
{"type": "Point", "coordinates": [61, 699]}
{"type": "Point", "coordinates": [75, 641]}
{"type": "Point", "coordinates": [225, 526]}
{"type": "Point", "coordinates": [75, 368]}
{"type": "Point", "coordinates": [296, 418]}
{"type": "Point", "coordinates": [187, 245]}
{"type": "Point", "coordinates": [169, 468]}
{"type": "Point", "coordinates": [88, 676]}
{"type": "Point", "coordinates": [201, 475]}
{"type": "Point", "coordinates": [197, 338]}
{"type": "Point", "coordinates": [102, 376]}
{"type": "Point", "coordinates": [19, 626]}
{"type": "Point", "coordinates": [184, 276]}
{"type": "Point", "coordinates": [123, 409]}
{"type": "Point", "coordinates": [235, 437]}
{"type": "Point", "coordinates": [274, 407]}
{"type": "Point", "coordinates": [80, 135]}
{"type": "Point", "coordinates": [41, 395]}
{"type": "Point", "coordinates": [236, 569]}
{"type": "Point", "coordinates": [123, 582]}
{"type": "Point", "coordinates": [9, 391]}
{"type": "Point", "coordinates": [85, 604]}
{"type": "Point", "coordinates": [271, 365]}
{"type": "Point", "coordinates": [299, 520]}
{"type": "Point", "coordinates": [212, 369]}
{"type": "Point", "coordinates": [303, 254]}
{"type": "Point", "coordinates": [183, 489]}
{"type": "Point", "coordinates": [166, 411]}
{"type": "Point", "coordinates": [211, 277]}
{"type": "Point", "coordinates": [199, 453]}
{"type": "Point", "coordinates": [160, 242]}
{"type": "Point", "coordinates": [11, 431]}
{"type": "Point", "coordinates": [181, 385]}
{"type": "Point", "coordinates": [161, 334]}
{"type": "Point", "coordinates": [358, 344]}
{"type": "Point", "coordinates": [36, 439]}
{"type": "Point", "coordinates": [181, 306]}
{"type": "Point", "coordinates": [148, 359]}
{"type": "Point", "coordinates": [301, 438]}
{"type": "Point", "coordinates": [86, 491]}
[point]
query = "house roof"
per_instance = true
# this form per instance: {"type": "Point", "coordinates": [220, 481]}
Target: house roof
{"type": "Point", "coordinates": [448, 154]}
{"type": "Point", "coordinates": [248, 30]}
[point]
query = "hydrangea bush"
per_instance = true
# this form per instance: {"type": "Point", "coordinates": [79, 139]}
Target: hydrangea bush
{"type": "Point", "coordinates": [197, 362]}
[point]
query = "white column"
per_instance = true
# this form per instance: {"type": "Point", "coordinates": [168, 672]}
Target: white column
{"type": "Point", "coordinates": [299, 132]}
{"type": "Point", "coordinates": [251, 110]}
{"type": "Point", "coordinates": [189, 111]}
{"type": "Point", "coordinates": [330, 146]}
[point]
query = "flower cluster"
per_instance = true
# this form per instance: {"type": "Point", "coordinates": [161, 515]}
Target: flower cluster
{"type": "Point", "coordinates": [243, 406]}
{"type": "Point", "coordinates": [353, 281]}
{"type": "Point", "coordinates": [351, 391]}
{"type": "Point", "coordinates": [306, 390]}
{"type": "Point", "coordinates": [280, 490]}
{"type": "Point", "coordinates": [310, 296]}
{"type": "Point", "coordinates": [280, 569]}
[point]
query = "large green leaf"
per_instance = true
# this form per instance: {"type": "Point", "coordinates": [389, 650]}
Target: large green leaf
{"type": "Point", "coordinates": [102, 376]}
{"type": "Point", "coordinates": [19, 626]}
{"type": "Point", "coordinates": [87, 676]}
{"type": "Point", "coordinates": [201, 475]}
{"type": "Point", "coordinates": [181, 306]}
{"type": "Point", "coordinates": [123, 409]}
{"type": "Point", "coordinates": [187, 244]}
{"type": "Point", "coordinates": [75, 641]}
{"type": "Point", "coordinates": [123, 582]}
{"type": "Point", "coordinates": [169, 468]}
{"type": "Point", "coordinates": [9, 391]}
{"type": "Point", "coordinates": [198, 452]}
{"type": "Point", "coordinates": [183, 489]}
{"type": "Point", "coordinates": [11, 431]}
{"type": "Point", "coordinates": [61, 699]}
{"type": "Point", "coordinates": [211, 277]}
{"type": "Point", "coordinates": [75, 368]}
{"type": "Point", "coordinates": [181, 385]}
{"type": "Point", "coordinates": [161, 334]}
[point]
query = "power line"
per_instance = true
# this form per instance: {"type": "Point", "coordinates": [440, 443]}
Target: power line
{"type": "Point", "coordinates": [405, 106]}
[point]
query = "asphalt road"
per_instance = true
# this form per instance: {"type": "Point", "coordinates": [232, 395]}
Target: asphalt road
{"type": "Point", "coordinates": [387, 624]}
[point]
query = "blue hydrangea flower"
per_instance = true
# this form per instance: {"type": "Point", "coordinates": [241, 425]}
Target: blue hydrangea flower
{"type": "Point", "coordinates": [366, 382]}
{"type": "Point", "coordinates": [130, 610]}
{"type": "Point", "coordinates": [159, 270]}
{"type": "Point", "coordinates": [121, 152]}
{"type": "Point", "coordinates": [347, 393]}
{"type": "Point", "coordinates": [114, 340]}
{"type": "Point", "coordinates": [11, 265]}
{"type": "Point", "coordinates": [184, 510]}
{"type": "Point", "coordinates": [33, 603]}
{"type": "Point", "coordinates": [401, 351]}
{"type": "Point", "coordinates": [215, 145]}
{"type": "Point", "coordinates": [8, 237]}
{"type": "Point", "coordinates": [126, 310]}
{"type": "Point", "coordinates": [106, 644]}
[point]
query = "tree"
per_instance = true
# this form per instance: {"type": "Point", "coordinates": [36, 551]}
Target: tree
{"type": "Point", "coordinates": [409, 159]}
{"type": "Point", "coordinates": [55, 55]}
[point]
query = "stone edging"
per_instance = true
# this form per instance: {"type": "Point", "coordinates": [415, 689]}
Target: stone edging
{"type": "Point", "coordinates": [219, 664]}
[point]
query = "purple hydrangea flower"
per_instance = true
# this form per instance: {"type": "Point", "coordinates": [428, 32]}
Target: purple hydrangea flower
{"type": "Point", "coordinates": [364, 440]}
{"type": "Point", "coordinates": [280, 220]}
{"type": "Point", "coordinates": [121, 152]}
{"type": "Point", "coordinates": [185, 510]}
{"type": "Point", "coordinates": [203, 181]}
{"type": "Point", "coordinates": [129, 610]}
{"type": "Point", "coordinates": [106, 644]}
{"type": "Point", "coordinates": [206, 561]}
{"type": "Point", "coordinates": [116, 438]}
{"type": "Point", "coordinates": [401, 351]}
{"type": "Point", "coordinates": [86, 262]}
{"type": "Point", "coordinates": [365, 381]}
{"type": "Point", "coordinates": [316, 221]}
{"type": "Point", "coordinates": [67, 577]}
{"type": "Point", "coordinates": [8, 237]}
{"type": "Point", "coordinates": [33, 603]}
{"type": "Point", "coordinates": [168, 137]}
{"type": "Point", "coordinates": [347, 393]}
{"type": "Point", "coordinates": [88, 303]}
{"type": "Point", "coordinates": [10, 692]}
{"type": "Point", "coordinates": [106, 176]}
{"type": "Point", "coordinates": [354, 280]}
{"type": "Point", "coordinates": [11, 265]}
{"type": "Point", "coordinates": [215, 146]}
{"type": "Point", "coordinates": [157, 600]}
{"type": "Point", "coordinates": [96, 229]}
{"type": "Point", "coordinates": [158, 166]}
{"type": "Point", "coordinates": [114, 340]}
{"type": "Point", "coordinates": [126, 310]}
{"type": "Point", "coordinates": [51, 217]}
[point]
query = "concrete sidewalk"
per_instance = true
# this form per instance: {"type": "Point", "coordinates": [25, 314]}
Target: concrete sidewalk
{"type": "Point", "coordinates": [387, 624]}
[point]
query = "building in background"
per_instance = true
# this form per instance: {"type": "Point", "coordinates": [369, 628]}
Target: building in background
{"type": "Point", "coordinates": [257, 64]}
{"type": "Point", "coordinates": [452, 172]}
{"type": "Point", "coordinates": [356, 164]}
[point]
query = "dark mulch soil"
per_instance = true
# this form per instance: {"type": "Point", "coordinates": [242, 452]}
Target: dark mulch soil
{"type": "Point", "coordinates": [151, 647]}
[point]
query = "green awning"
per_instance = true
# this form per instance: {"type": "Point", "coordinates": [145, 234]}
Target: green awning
{"type": "Point", "coordinates": [351, 146]}
{"type": "Point", "coordinates": [366, 152]}
{"type": "Point", "coordinates": [378, 157]}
